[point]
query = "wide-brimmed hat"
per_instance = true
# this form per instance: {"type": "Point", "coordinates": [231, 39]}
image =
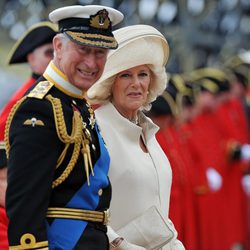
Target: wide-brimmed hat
{"type": "Point", "coordinates": [138, 45]}
{"type": "Point", "coordinates": [37, 35]}
{"type": "Point", "coordinates": [88, 25]}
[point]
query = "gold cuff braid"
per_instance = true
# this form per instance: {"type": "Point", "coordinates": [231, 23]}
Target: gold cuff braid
{"type": "Point", "coordinates": [79, 214]}
{"type": "Point", "coordinates": [28, 241]}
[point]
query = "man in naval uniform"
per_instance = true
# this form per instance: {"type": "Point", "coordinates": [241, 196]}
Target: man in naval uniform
{"type": "Point", "coordinates": [58, 192]}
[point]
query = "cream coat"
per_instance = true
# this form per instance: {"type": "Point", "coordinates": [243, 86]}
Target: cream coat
{"type": "Point", "coordinates": [139, 180]}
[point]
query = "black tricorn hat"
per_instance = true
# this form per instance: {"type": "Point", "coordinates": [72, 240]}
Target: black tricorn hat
{"type": "Point", "coordinates": [37, 35]}
{"type": "Point", "coordinates": [161, 106]}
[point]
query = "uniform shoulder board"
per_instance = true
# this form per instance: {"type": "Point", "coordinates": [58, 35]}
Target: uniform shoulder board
{"type": "Point", "coordinates": [40, 90]}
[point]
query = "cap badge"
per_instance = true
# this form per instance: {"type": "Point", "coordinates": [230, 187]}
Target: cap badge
{"type": "Point", "coordinates": [100, 20]}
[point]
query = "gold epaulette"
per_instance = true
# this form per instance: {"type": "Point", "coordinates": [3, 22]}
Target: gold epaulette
{"type": "Point", "coordinates": [28, 241]}
{"type": "Point", "coordinates": [40, 90]}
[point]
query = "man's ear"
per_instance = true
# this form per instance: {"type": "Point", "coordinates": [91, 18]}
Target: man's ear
{"type": "Point", "coordinates": [57, 44]}
{"type": "Point", "coordinates": [30, 57]}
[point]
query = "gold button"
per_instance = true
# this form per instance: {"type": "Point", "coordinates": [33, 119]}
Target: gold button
{"type": "Point", "coordinates": [100, 192]}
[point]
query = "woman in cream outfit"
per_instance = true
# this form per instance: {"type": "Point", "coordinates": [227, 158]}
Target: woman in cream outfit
{"type": "Point", "coordinates": [140, 173]}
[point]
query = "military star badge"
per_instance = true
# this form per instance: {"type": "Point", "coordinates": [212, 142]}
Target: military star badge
{"type": "Point", "coordinates": [92, 121]}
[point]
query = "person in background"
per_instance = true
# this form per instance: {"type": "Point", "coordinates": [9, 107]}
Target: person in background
{"type": "Point", "coordinates": [239, 68]}
{"type": "Point", "coordinates": [215, 134]}
{"type": "Point", "coordinates": [167, 111]}
{"type": "Point", "coordinates": [58, 191]}
{"type": "Point", "coordinates": [140, 172]}
{"type": "Point", "coordinates": [36, 49]}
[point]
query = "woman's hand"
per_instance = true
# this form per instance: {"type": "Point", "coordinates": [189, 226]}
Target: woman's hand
{"type": "Point", "coordinates": [121, 244]}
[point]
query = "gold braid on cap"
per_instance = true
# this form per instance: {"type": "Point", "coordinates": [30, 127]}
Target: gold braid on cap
{"type": "Point", "coordinates": [86, 39]}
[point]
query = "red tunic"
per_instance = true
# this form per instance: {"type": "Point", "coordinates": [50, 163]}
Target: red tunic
{"type": "Point", "coordinates": [233, 120]}
{"type": "Point", "coordinates": [206, 148]}
{"type": "Point", "coordinates": [3, 230]}
{"type": "Point", "coordinates": [181, 210]}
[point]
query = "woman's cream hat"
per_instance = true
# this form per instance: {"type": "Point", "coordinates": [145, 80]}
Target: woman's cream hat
{"type": "Point", "coordinates": [138, 45]}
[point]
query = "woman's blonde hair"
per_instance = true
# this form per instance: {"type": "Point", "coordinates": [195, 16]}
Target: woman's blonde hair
{"type": "Point", "coordinates": [138, 45]}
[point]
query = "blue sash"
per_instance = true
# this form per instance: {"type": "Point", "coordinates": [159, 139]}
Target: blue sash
{"type": "Point", "coordinates": [65, 233]}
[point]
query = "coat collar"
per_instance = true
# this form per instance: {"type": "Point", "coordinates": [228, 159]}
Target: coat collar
{"type": "Point", "coordinates": [124, 126]}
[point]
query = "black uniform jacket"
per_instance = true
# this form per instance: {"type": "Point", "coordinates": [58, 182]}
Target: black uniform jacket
{"type": "Point", "coordinates": [47, 170]}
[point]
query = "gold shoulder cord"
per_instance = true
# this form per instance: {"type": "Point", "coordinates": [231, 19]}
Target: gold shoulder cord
{"type": "Point", "coordinates": [77, 137]}
{"type": "Point", "coordinates": [8, 123]}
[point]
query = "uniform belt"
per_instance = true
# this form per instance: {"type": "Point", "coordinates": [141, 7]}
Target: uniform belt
{"type": "Point", "coordinates": [79, 214]}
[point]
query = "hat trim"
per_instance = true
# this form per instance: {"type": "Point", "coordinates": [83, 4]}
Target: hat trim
{"type": "Point", "coordinates": [206, 72]}
{"type": "Point", "coordinates": [83, 39]}
{"type": "Point", "coordinates": [18, 42]}
{"type": "Point", "coordinates": [209, 85]}
{"type": "Point", "coordinates": [169, 99]}
{"type": "Point", "coordinates": [179, 83]}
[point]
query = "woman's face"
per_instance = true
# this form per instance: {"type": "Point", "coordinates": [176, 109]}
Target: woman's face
{"type": "Point", "coordinates": [130, 90]}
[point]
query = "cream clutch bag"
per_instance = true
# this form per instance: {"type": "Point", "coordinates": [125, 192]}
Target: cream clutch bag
{"type": "Point", "coordinates": [149, 230]}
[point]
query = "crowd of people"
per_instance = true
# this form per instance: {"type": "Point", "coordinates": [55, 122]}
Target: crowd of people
{"type": "Point", "coordinates": [204, 121]}
{"type": "Point", "coordinates": [100, 150]}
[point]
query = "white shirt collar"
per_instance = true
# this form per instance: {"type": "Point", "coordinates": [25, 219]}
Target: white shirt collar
{"type": "Point", "coordinates": [57, 77]}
